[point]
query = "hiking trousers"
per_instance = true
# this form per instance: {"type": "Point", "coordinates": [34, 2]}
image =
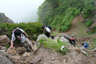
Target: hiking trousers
{"type": "Point", "coordinates": [27, 44]}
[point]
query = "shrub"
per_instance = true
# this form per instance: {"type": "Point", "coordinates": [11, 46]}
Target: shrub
{"type": "Point", "coordinates": [64, 28]}
{"type": "Point", "coordinates": [89, 23]}
{"type": "Point", "coordinates": [33, 29]}
{"type": "Point", "coordinates": [95, 15]}
{"type": "Point", "coordinates": [93, 30]}
{"type": "Point", "coordinates": [7, 46]}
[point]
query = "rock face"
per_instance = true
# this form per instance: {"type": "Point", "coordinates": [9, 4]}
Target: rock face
{"type": "Point", "coordinates": [5, 19]}
{"type": "Point", "coordinates": [4, 60]}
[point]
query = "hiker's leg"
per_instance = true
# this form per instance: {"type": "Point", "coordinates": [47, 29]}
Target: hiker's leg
{"type": "Point", "coordinates": [30, 45]}
{"type": "Point", "coordinates": [26, 46]}
{"type": "Point", "coordinates": [47, 34]}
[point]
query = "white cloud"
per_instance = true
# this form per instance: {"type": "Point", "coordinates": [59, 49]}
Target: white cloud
{"type": "Point", "coordinates": [20, 10]}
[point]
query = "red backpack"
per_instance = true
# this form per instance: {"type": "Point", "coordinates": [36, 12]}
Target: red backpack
{"type": "Point", "coordinates": [72, 38]}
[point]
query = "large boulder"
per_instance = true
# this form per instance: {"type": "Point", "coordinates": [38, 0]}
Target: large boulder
{"type": "Point", "coordinates": [37, 43]}
{"type": "Point", "coordinates": [6, 58]}
{"type": "Point", "coordinates": [64, 39]}
{"type": "Point", "coordinates": [35, 59]}
{"type": "Point", "coordinates": [66, 35]}
{"type": "Point", "coordinates": [41, 36]}
{"type": "Point", "coordinates": [4, 40]}
{"type": "Point", "coordinates": [12, 51]}
{"type": "Point", "coordinates": [20, 50]}
{"type": "Point", "coordinates": [56, 38]}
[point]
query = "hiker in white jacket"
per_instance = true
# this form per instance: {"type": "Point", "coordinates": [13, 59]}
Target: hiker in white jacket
{"type": "Point", "coordinates": [19, 34]}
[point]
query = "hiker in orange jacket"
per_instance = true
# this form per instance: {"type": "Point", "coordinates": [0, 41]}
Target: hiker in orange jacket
{"type": "Point", "coordinates": [71, 40]}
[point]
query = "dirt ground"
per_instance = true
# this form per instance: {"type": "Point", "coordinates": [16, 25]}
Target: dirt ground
{"type": "Point", "coordinates": [52, 57]}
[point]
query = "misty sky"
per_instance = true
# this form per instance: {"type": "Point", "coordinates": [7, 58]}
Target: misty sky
{"type": "Point", "coordinates": [20, 10]}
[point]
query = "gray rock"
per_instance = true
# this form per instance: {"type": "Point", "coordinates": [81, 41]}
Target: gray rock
{"type": "Point", "coordinates": [56, 38]}
{"type": "Point", "coordinates": [41, 36]}
{"type": "Point", "coordinates": [37, 43]}
{"type": "Point", "coordinates": [64, 39]}
{"type": "Point", "coordinates": [66, 35]}
{"type": "Point", "coordinates": [6, 57]}
{"type": "Point", "coordinates": [5, 19]}
{"type": "Point", "coordinates": [35, 60]}
{"type": "Point", "coordinates": [3, 48]}
{"type": "Point", "coordinates": [4, 60]}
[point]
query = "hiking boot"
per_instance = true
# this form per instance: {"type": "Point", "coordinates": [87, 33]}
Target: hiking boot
{"type": "Point", "coordinates": [30, 47]}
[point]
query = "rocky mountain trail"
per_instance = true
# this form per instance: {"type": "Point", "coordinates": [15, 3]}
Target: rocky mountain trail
{"type": "Point", "coordinates": [40, 55]}
{"type": "Point", "coordinates": [19, 55]}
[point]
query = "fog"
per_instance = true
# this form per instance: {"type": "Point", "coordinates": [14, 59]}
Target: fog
{"type": "Point", "coordinates": [20, 10]}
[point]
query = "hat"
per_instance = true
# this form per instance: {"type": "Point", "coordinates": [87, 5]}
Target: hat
{"type": "Point", "coordinates": [52, 37]}
{"type": "Point", "coordinates": [82, 44]}
{"type": "Point", "coordinates": [42, 27]}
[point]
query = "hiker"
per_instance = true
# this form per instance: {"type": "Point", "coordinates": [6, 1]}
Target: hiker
{"type": "Point", "coordinates": [20, 35]}
{"type": "Point", "coordinates": [71, 40]}
{"type": "Point", "coordinates": [85, 45]}
{"type": "Point", "coordinates": [47, 31]}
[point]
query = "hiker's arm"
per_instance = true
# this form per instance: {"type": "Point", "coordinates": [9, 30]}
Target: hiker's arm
{"type": "Point", "coordinates": [50, 34]}
{"type": "Point", "coordinates": [11, 45]}
{"type": "Point", "coordinates": [43, 30]}
{"type": "Point", "coordinates": [26, 35]}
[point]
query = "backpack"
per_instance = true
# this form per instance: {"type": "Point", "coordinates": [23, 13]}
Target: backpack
{"type": "Point", "coordinates": [49, 26]}
{"type": "Point", "coordinates": [18, 32]}
{"type": "Point", "coordinates": [14, 30]}
{"type": "Point", "coordinates": [72, 38]}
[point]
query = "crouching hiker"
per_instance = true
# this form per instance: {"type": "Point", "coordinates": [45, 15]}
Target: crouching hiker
{"type": "Point", "coordinates": [19, 34]}
{"type": "Point", "coordinates": [85, 45]}
{"type": "Point", "coordinates": [47, 31]}
{"type": "Point", "coordinates": [71, 40]}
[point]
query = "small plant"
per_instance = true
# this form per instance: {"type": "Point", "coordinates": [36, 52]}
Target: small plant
{"type": "Point", "coordinates": [7, 46]}
{"type": "Point", "coordinates": [89, 23]}
{"type": "Point", "coordinates": [95, 15]}
{"type": "Point", "coordinates": [64, 51]}
{"type": "Point", "coordinates": [84, 54]}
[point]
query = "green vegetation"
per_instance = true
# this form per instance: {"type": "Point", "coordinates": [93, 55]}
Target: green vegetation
{"type": "Point", "coordinates": [59, 13]}
{"type": "Point", "coordinates": [89, 22]}
{"type": "Point", "coordinates": [50, 44]}
{"type": "Point", "coordinates": [85, 54]}
{"type": "Point", "coordinates": [56, 33]}
{"type": "Point", "coordinates": [64, 51]}
{"type": "Point", "coordinates": [82, 30]}
{"type": "Point", "coordinates": [93, 30]}
{"type": "Point", "coordinates": [95, 15]}
{"type": "Point", "coordinates": [33, 29]}
{"type": "Point", "coordinates": [7, 46]}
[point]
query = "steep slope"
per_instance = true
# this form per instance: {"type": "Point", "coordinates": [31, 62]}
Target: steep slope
{"type": "Point", "coordinates": [5, 19]}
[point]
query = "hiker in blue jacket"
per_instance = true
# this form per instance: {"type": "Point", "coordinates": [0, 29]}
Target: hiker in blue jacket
{"type": "Point", "coordinates": [85, 45]}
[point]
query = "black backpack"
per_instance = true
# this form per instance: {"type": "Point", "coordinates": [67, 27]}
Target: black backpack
{"type": "Point", "coordinates": [17, 32]}
{"type": "Point", "coordinates": [49, 26]}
